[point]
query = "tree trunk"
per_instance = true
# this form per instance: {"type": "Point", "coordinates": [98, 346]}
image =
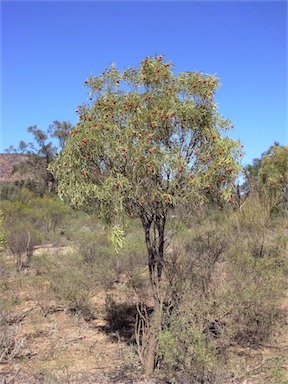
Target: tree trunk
{"type": "Point", "coordinates": [154, 329]}
{"type": "Point", "coordinates": [154, 228]}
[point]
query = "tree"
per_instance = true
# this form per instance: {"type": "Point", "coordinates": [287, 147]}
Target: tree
{"type": "Point", "coordinates": [147, 141]}
{"type": "Point", "coordinates": [267, 176]}
{"type": "Point", "coordinates": [273, 176]}
{"type": "Point", "coordinates": [40, 153]}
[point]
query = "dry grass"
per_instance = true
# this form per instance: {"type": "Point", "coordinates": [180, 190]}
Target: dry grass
{"type": "Point", "coordinates": [61, 347]}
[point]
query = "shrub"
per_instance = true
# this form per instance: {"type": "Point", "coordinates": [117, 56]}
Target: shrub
{"type": "Point", "coordinates": [71, 280]}
{"type": "Point", "coordinates": [254, 290]}
{"type": "Point", "coordinates": [185, 353]}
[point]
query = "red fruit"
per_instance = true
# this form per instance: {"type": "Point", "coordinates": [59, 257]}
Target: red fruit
{"type": "Point", "coordinates": [152, 126]}
{"type": "Point", "coordinates": [82, 147]}
{"type": "Point", "coordinates": [222, 178]}
{"type": "Point", "coordinates": [150, 137]}
{"type": "Point", "coordinates": [191, 176]}
{"type": "Point", "coordinates": [148, 165]}
{"type": "Point", "coordinates": [88, 157]}
{"type": "Point", "coordinates": [123, 149]}
{"type": "Point", "coordinates": [173, 113]}
{"type": "Point", "coordinates": [180, 170]}
{"type": "Point", "coordinates": [119, 140]}
{"type": "Point", "coordinates": [213, 137]}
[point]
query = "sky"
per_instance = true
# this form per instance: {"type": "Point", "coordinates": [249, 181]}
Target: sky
{"type": "Point", "coordinates": [49, 48]}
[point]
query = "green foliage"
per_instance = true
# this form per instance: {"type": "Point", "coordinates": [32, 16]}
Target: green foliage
{"type": "Point", "coordinates": [255, 289]}
{"type": "Point", "coordinates": [51, 212]}
{"type": "Point", "coordinates": [39, 154]}
{"type": "Point", "coordinates": [273, 175]}
{"type": "Point", "coordinates": [21, 231]}
{"type": "Point", "coordinates": [93, 246]}
{"type": "Point", "coordinates": [148, 140]}
{"type": "Point", "coordinates": [31, 222]}
{"type": "Point", "coordinates": [224, 290]}
{"type": "Point", "coordinates": [73, 282]}
{"type": "Point", "coordinates": [185, 352]}
{"type": "Point", "coordinates": [267, 176]}
{"type": "Point", "coordinates": [2, 234]}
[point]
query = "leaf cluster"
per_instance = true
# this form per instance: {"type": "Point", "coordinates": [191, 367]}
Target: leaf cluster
{"type": "Point", "coordinates": [147, 140]}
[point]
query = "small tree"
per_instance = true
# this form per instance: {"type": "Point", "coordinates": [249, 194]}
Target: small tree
{"type": "Point", "coordinates": [273, 176]}
{"type": "Point", "coordinates": [40, 153]}
{"type": "Point", "coordinates": [147, 141]}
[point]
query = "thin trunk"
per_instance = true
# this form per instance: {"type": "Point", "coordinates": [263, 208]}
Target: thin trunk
{"type": "Point", "coordinates": [154, 228]}
{"type": "Point", "coordinates": [154, 330]}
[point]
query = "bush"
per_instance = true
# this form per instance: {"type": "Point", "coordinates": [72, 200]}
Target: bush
{"type": "Point", "coordinates": [73, 282]}
{"type": "Point", "coordinates": [254, 290]}
{"type": "Point", "coordinates": [22, 231]}
{"type": "Point", "coordinates": [185, 353]}
{"type": "Point", "coordinates": [92, 246]}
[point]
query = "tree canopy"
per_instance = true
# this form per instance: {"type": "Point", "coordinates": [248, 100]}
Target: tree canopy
{"type": "Point", "coordinates": [146, 140]}
{"type": "Point", "coordinates": [268, 176]}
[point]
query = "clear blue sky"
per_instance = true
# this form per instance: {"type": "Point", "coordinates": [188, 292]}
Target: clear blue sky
{"type": "Point", "coordinates": [49, 49]}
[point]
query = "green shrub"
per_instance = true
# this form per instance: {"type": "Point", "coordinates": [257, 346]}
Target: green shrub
{"type": "Point", "coordinates": [185, 353]}
{"type": "Point", "coordinates": [255, 288]}
{"type": "Point", "coordinates": [71, 281]}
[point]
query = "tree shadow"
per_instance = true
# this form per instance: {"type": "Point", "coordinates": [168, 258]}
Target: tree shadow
{"type": "Point", "coordinates": [121, 319]}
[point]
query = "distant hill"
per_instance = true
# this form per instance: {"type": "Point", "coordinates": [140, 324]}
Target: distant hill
{"type": "Point", "coordinates": [7, 162]}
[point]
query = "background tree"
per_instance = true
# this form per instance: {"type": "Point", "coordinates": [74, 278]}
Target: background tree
{"type": "Point", "coordinates": [273, 175]}
{"type": "Point", "coordinates": [40, 153]}
{"type": "Point", "coordinates": [267, 176]}
{"type": "Point", "coordinates": [148, 141]}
